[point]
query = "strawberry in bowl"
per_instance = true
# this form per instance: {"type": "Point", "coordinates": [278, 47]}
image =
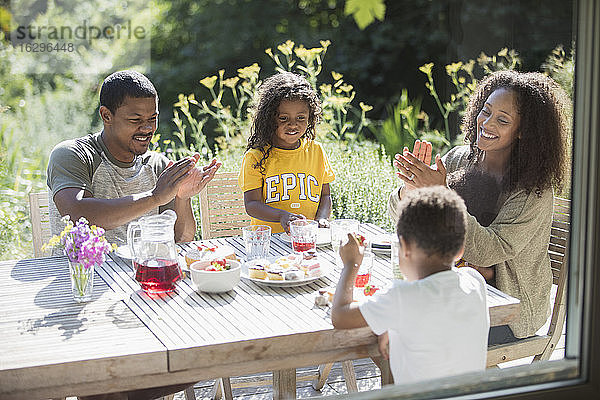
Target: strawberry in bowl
{"type": "Point", "coordinates": [370, 290]}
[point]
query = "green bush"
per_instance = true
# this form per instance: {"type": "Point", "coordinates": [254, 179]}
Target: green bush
{"type": "Point", "coordinates": [29, 130]}
{"type": "Point", "coordinates": [364, 177]}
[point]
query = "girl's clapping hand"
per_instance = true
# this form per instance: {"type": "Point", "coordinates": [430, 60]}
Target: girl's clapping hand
{"type": "Point", "coordinates": [323, 223]}
{"type": "Point", "coordinates": [287, 217]}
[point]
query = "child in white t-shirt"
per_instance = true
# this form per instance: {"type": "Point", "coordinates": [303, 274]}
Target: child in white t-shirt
{"type": "Point", "coordinates": [437, 320]}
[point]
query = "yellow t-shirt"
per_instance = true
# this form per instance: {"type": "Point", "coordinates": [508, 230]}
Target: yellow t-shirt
{"type": "Point", "coordinates": [292, 181]}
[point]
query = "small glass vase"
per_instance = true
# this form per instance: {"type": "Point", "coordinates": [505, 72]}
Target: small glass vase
{"type": "Point", "coordinates": [82, 281]}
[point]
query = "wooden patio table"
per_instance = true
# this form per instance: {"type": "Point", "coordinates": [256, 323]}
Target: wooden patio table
{"type": "Point", "coordinates": [125, 339]}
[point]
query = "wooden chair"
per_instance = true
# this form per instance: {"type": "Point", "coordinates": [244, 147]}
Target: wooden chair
{"type": "Point", "coordinates": [541, 346]}
{"type": "Point", "coordinates": [222, 207]}
{"type": "Point", "coordinates": [40, 222]}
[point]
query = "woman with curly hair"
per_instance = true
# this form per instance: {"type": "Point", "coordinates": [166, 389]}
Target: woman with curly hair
{"type": "Point", "coordinates": [285, 174]}
{"type": "Point", "coordinates": [516, 128]}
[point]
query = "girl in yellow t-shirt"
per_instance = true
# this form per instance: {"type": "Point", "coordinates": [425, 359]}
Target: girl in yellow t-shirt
{"type": "Point", "coordinates": [285, 174]}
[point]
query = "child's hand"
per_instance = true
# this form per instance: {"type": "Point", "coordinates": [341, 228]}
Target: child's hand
{"type": "Point", "coordinates": [288, 217]}
{"type": "Point", "coordinates": [352, 252]}
{"type": "Point", "coordinates": [323, 223]}
{"type": "Point", "coordinates": [383, 342]}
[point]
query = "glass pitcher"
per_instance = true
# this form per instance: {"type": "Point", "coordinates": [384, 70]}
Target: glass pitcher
{"type": "Point", "coordinates": [152, 245]}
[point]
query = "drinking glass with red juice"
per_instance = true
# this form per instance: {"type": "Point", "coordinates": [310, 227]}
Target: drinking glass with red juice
{"type": "Point", "coordinates": [363, 276]}
{"type": "Point", "coordinates": [303, 234]}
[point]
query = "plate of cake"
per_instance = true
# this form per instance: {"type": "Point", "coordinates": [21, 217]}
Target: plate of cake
{"type": "Point", "coordinates": [286, 271]}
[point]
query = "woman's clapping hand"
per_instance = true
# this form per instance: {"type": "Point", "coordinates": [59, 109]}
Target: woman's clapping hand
{"type": "Point", "coordinates": [414, 169]}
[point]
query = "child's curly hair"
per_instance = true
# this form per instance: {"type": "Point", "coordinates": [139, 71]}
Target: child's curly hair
{"type": "Point", "coordinates": [435, 219]}
{"type": "Point", "coordinates": [538, 158]}
{"type": "Point", "coordinates": [281, 86]}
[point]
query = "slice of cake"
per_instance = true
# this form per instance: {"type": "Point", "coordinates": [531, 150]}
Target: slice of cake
{"type": "Point", "coordinates": [257, 272]}
{"type": "Point", "coordinates": [289, 261]}
{"type": "Point", "coordinates": [313, 269]}
{"type": "Point", "coordinates": [293, 274]}
{"type": "Point", "coordinates": [274, 272]}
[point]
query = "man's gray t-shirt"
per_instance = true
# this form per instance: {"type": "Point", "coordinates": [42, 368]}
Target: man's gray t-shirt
{"type": "Point", "coordinates": [85, 163]}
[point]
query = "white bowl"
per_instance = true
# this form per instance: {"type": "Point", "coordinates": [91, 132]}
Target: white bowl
{"type": "Point", "coordinates": [215, 281]}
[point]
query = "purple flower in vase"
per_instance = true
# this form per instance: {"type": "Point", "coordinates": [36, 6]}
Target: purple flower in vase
{"type": "Point", "coordinates": [81, 243]}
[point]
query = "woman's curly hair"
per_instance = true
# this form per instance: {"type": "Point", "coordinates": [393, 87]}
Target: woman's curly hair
{"type": "Point", "coordinates": [539, 155]}
{"type": "Point", "coordinates": [281, 86]}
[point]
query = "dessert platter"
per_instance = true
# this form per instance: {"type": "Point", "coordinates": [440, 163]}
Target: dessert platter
{"type": "Point", "coordinates": [323, 237]}
{"type": "Point", "coordinates": [286, 271]}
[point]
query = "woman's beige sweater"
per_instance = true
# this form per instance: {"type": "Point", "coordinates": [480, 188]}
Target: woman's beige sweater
{"type": "Point", "coordinates": [516, 243]}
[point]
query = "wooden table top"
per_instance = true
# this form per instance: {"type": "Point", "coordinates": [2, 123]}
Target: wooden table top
{"type": "Point", "coordinates": [126, 339]}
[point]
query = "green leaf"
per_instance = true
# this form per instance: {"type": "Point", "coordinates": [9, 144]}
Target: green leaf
{"type": "Point", "coordinates": [365, 11]}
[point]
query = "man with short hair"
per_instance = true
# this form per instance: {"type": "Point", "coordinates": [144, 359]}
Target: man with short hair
{"type": "Point", "coordinates": [111, 178]}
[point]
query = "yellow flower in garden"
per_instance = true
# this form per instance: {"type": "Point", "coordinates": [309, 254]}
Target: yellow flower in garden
{"type": "Point", "coordinates": [250, 72]}
{"type": "Point", "coordinates": [483, 58]}
{"type": "Point", "coordinates": [336, 76]}
{"type": "Point", "coordinates": [269, 52]}
{"type": "Point", "coordinates": [453, 68]}
{"type": "Point", "coordinates": [209, 81]}
{"type": "Point", "coordinates": [426, 69]}
{"type": "Point", "coordinates": [325, 44]}
{"type": "Point", "coordinates": [345, 88]}
{"type": "Point", "coordinates": [469, 66]}
{"type": "Point", "coordinates": [231, 82]}
{"type": "Point", "coordinates": [307, 55]}
{"type": "Point", "coordinates": [192, 99]}
{"type": "Point", "coordinates": [303, 53]}
{"type": "Point", "coordinates": [365, 107]}
{"type": "Point", "coordinates": [503, 52]}
{"type": "Point", "coordinates": [286, 48]}
{"type": "Point", "coordinates": [325, 89]}
{"type": "Point", "coordinates": [339, 102]}
{"type": "Point", "coordinates": [182, 101]}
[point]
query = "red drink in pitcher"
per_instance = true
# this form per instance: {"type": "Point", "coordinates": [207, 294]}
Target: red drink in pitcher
{"type": "Point", "coordinates": [303, 246]}
{"type": "Point", "coordinates": [157, 276]}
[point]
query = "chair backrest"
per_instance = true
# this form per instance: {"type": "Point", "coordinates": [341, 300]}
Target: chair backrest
{"type": "Point", "coordinates": [542, 346]}
{"type": "Point", "coordinates": [559, 238]}
{"type": "Point", "coordinates": [40, 222]}
{"type": "Point", "coordinates": [222, 207]}
{"type": "Point", "coordinates": [558, 249]}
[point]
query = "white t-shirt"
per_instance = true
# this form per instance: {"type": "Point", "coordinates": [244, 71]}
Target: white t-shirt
{"type": "Point", "coordinates": [438, 326]}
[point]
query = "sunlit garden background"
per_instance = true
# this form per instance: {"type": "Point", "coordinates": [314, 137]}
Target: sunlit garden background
{"type": "Point", "coordinates": [388, 72]}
